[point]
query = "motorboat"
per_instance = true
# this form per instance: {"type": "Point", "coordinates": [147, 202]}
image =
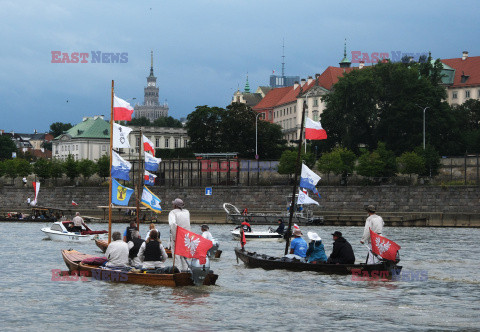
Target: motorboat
{"type": "Point", "coordinates": [267, 235]}
{"type": "Point", "coordinates": [60, 231]}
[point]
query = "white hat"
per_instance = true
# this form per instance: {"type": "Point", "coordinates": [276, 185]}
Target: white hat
{"type": "Point", "coordinates": [314, 236]}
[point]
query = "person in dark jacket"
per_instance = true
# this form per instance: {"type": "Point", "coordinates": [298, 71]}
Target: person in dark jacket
{"type": "Point", "coordinates": [281, 227]}
{"type": "Point", "coordinates": [342, 252]}
{"type": "Point", "coordinates": [134, 246]}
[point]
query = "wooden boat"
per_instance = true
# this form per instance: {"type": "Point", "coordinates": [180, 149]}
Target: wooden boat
{"type": "Point", "coordinates": [73, 260]}
{"type": "Point", "coordinates": [251, 259]}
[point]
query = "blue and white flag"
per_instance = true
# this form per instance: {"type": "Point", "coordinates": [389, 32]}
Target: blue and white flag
{"type": "Point", "coordinates": [120, 167]}
{"type": "Point", "coordinates": [149, 178]}
{"type": "Point", "coordinates": [303, 199]}
{"type": "Point", "coordinates": [151, 201]}
{"type": "Point", "coordinates": [151, 163]}
{"type": "Point", "coordinates": [120, 194]}
{"type": "Point", "coordinates": [308, 179]}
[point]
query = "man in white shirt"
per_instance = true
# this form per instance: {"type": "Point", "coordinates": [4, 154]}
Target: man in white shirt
{"type": "Point", "coordinates": [117, 251]}
{"type": "Point", "coordinates": [78, 223]}
{"type": "Point", "coordinates": [178, 217]}
{"type": "Point", "coordinates": [375, 223]}
{"type": "Point", "coordinates": [207, 235]}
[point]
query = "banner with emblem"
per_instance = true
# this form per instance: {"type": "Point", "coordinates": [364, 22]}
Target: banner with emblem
{"type": "Point", "coordinates": [191, 245]}
{"type": "Point", "coordinates": [120, 136]}
{"type": "Point", "coordinates": [383, 247]}
{"type": "Point", "coordinates": [151, 201]}
{"type": "Point", "coordinates": [303, 199]}
{"type": "Point", "coordinates": [120, 167]}
{"type": "Point", "coordinates": [120, 194]}
{"type": "Point", "coordinates": [151, 163]}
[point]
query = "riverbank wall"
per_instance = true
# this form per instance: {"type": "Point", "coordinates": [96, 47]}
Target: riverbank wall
{"type": "Point", "coordinates": [448, 206]}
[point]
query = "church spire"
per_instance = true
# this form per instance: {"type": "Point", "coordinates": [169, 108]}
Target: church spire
{"type": "Point", "coordinates": [151, 63]}
{"type": "Point", "coordinates": [345, 63]}
{"type": "Point", "coordinates": [247, 86]}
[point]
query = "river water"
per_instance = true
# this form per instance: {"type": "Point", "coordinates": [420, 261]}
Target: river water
{"type": "Point", "coordinates": [446, 296]}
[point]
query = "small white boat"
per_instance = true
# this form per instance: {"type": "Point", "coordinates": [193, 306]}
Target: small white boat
{"type": "Point", "coordinates": [58, 231]}
{"type": "Point", "coordinates": [264, 236]}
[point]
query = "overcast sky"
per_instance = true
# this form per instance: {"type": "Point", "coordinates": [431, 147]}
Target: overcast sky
{"type": "Point", "coordinates": [202, 49]}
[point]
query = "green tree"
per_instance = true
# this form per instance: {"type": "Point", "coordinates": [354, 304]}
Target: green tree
{"type": "Point", "coordinates": [58, 128]}
{"type": "Point", "coordinates": [338, 161]}
{"type": "Point", "coordinates": [103, 166]}
{"type": "Point", "coordinates": [389, 160]}
{"type": "Point", "coordinates": [7, 146]}
{"type": "Point", "coordinates": [142, 121]}
{"type": "Point", "coordinates": [2, 168]}
{"type": "Point", "coordinates": [87, 168]}
{"type": "Point", "coordinates": [411, 163]}
{"type": "Point", "coordinates": [71, 168]}
{"type": "Point", "coordinates": [370, 164]}
{"type": "Point", "coordinates": [431, 159]}
{"type": "Point", "coordinates": [10, 168]}
{"type": "Point", "coordinates": [57, 169]}
{"type": "Point", "coordinates": [24, 168]}
{"type": "Point", "coordinates": [43, 169]}
{"type": "Point", "coordinates": [203, 128]}
{"type": "Point", "coordinates": [468, 125]}
{"type": "Point", "coordinates": [288, 159]}
{"type": "Point", "coordinates": [167, 121]}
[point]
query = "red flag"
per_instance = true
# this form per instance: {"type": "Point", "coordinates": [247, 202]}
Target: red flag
{"type": "Point", "coordinates": [74, 203]}
{"type": "Point", "coordinates": [148, 145]}
{"type": "Point", "coordinates": [191, 245]}
{"type": "Point", "coordinates": [243, 241]}
{"type": "Point", "coordinates": [383, 247]}
{"type": "Point", "coordinates": [122, 111]}
{"type": "Point", "coordinates": [314, 130]}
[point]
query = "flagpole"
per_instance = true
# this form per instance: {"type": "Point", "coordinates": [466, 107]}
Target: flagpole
{"type": "Point", "coordinates": [110, 183]}
{"type": "Point", "coordinates": [297, 164]}
{"type": "Point", "coordinates": [139, 179]}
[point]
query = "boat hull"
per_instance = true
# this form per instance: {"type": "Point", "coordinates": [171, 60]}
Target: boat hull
{"type": "Point", "coordinates": [253, 260]}
{"type": "Point", "coordinates": [73, 260]}
{"type": "Point", "coordinates": [259, 236]}
{"type": "Point", "coordinates": [69, 237]}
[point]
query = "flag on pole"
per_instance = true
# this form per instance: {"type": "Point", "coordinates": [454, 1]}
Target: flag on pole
{"type": "Point", "coordinates": [120, 167]}
{"type": "Point", "coordinates": [148, 145]}
{"type": "Point", "coordinates": [120, 194]}
{"type": "Point", "coordinates": [303, 199]}
{"type": "Point", "coordinates": [308, 179]}
{"type": "Point", "coordinates": [314, 130]}
{"type": "Point", "coordinates": [151, 163]}
{"type": "Point", "coordinates": [149, 178]}
{"type": "Point", "coordinates": [191, 245]}
{"type": "Point", "coordinates": [122, 111]}
{"type": "Point", "coordinates": [74, 203]}
{"type": "Point", "coordinates": [120, 136]}
{"type": "Point", "coordinates": [151, 201]}
{"type": "Point", "coordinates": [36, 188]}
{"type": "Point", "coordinates": [383, 247]}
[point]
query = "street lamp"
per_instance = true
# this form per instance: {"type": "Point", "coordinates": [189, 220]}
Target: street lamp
{"type": "Point", "coordinates": [256, 135]}
{"type": "Point", "coordinates": [424, 109]}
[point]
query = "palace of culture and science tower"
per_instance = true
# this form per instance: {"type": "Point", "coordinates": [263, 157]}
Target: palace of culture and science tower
{"type": "Point", "coordinates": [151, 108]}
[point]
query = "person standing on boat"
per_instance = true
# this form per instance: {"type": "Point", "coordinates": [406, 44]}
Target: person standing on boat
{"type": "Point", "coordinates": [375, 223]}
{"type": "Point", "coordinates": [342, 252]}
{"type": "Point", "coordinates": [117, 251]}
{"type": "Point", "coordinates": [152, 227]}
{"type": "Point", "coordinates": [298, 246]}
{"type": "Point", "coordinates": [179, 216]}
{"type": "Point", "coordinates": [134, 247]}
{"type": "Point", "coordinates": [207, 235]}
{"type": "Point", "coordinates": [127, 234]}
{"type": "Point", "coordinates": [316, 250]}
{"type": "Point", "coordinates": [78, 223]}
{"type": "Point", "coordinates": [246, 226]}
{"type": "Point", "coordinates": [152, 253]}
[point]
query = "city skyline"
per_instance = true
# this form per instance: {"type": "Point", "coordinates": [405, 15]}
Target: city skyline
{"type": "Point", "coordinates": [202, 50]}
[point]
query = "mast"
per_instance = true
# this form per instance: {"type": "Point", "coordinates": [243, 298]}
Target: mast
{"type": "Point", "coordinates": [297, 167]}
{"type": "Point", "coordinates": [110, 183]}
{"type": "Point", "coordinates": [139, 185]}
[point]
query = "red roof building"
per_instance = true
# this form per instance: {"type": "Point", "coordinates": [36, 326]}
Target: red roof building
{"type": "Point", "coordinates": [466, 80]}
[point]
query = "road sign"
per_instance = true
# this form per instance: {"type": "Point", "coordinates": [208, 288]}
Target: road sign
{"type": "Point", "coordinates": [208, 191]}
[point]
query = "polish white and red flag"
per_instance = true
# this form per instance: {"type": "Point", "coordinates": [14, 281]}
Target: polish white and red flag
{"type": "Point", "coordinates": [74, 203]}
{"type": "Point", "coordinates": [383, 247]}
{"type": "Point", "coordinates": [148, 145]}
{"type": "Point", "coordinates": [191, 245]}
{"type": "Point", "coordinates": [314, 130]}
{"type": "Point", "coordinates": [122, 111]}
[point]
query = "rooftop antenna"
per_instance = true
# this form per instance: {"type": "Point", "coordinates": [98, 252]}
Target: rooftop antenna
{"type": "Point", "coordinates": [283, 57]}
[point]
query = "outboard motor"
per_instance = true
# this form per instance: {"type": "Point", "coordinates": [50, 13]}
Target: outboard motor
{"type": "Point", "coordinates": [199, 271]}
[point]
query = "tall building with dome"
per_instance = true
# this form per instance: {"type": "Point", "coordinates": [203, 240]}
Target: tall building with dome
{"type": "Point", "coordinates": [151, 108]}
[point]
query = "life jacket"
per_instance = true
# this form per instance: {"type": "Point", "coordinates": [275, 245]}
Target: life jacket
{"type": "Point", "coordinates": [152, 251]}
{"type": "Point", "coordinates": [246, 227]}
{"type": "Point", "coordinates": [129, 233]}
{"type": "Point", "coordinates": [137, 243]}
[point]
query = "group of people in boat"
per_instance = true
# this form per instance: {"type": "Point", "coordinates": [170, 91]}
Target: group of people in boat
{"type": "Point", "coordinates": [342, 252]}
{"type": "Point", "coordinates": [150, 253]}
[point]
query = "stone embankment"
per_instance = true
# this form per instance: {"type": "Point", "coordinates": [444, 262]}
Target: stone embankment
{"type": "Point", "coordinates": [399, 205]}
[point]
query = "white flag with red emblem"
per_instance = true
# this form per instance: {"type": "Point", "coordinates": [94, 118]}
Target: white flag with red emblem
{"type": "Point", "coordinates": [191, 245]}
{"type": "Point", "coordinates": [383, 247]}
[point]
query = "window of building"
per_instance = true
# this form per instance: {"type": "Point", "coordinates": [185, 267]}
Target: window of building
{"type": "Point", "coordinates": [176, 143]}
{"type": "Point", "coordinates": [104, 148]}
{"type": "Point", "coordinates": [77, 147]}
{"type": "Point", "coordinates": [467, 93]}
{"type": "Point", "coordinates": [138, 141]}
{"type": "Point", "coordinates": [315, 116]}
{"type": "Point", "coordinates": [166, 143]}
{"type": "Point", "coordinates": [157, 142]}
{"type": "Point", "coordinates": [478, 93]}
{"type": "Point", "coordinates": [454, 95]}
{"type": "Point", "coordinates": [137, 150]}
{"type": "Point", "coordinates": [315, 102]}
{"type": "Point", "coordinates": [185, 142]}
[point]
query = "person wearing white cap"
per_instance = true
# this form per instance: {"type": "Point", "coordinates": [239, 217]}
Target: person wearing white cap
{"type": "Point", "coordinates": [179, 216]}
{"type": "Point", "coordinates": [316, 250]}
{"type": "Point", "coordinates": [375, 223]}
